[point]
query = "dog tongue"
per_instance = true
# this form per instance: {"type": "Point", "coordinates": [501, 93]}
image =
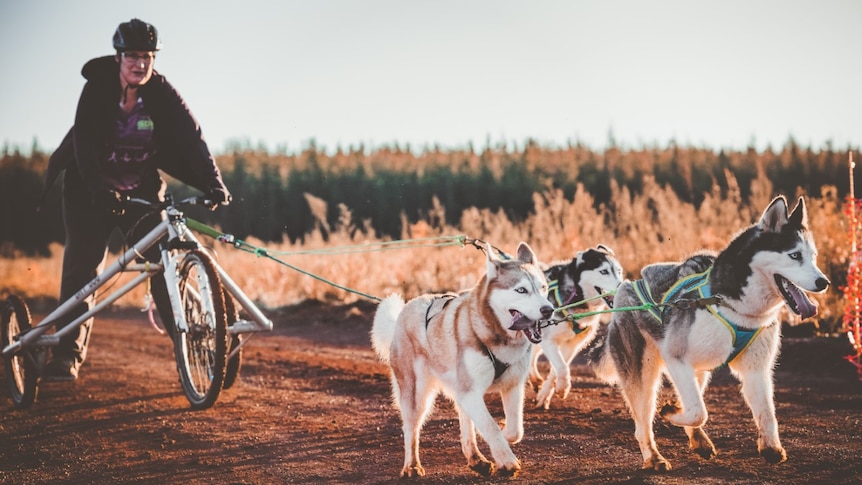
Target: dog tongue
{"type": "Point", "coordinates": [807, 309]}
{"type": "Point", "coordinates": [520, 322]}
{"type": "Point", "coordinates": [530, 328]}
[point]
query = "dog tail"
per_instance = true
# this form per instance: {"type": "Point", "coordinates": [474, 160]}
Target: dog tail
{"type": "Point", "coordinates": [383, 329]}
{"type": "Point", "coordinates": [601, 361]}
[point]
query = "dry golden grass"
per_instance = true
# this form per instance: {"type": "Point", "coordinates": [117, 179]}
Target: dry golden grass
{"type": "Point", "coordinates": [32, 277]}
{"type": "Point", "coordinates": [641, 229]}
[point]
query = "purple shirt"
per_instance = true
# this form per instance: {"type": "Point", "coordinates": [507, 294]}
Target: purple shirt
{"type": "Point", "coordinates": [131, 150]}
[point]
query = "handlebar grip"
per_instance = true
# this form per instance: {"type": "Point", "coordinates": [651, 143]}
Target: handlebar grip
{"type": "Point", "coordinates": [194, 200]}
{"type": "Point", "coordinates": [135, 200]}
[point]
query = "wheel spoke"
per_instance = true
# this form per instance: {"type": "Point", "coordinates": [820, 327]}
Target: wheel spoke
{"type": "Point", "coordinates": [21, 368]}
{"type": "Point", "coordinates": [201, 349]}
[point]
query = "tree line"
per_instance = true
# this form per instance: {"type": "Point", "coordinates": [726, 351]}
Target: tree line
{"type": "Point", "coordinates": [284, 195]}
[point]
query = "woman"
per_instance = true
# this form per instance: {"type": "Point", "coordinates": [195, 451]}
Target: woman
{"type": "Point", "coordinates": [130, 122]}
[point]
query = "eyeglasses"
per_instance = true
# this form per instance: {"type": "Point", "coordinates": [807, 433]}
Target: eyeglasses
{"type": "Point", "coordinates": [133, 58]}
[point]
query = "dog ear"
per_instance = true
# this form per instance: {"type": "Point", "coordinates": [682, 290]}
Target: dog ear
{"type": "Point", "coordinates": [604, 249]}
{"type": "Point", "coordinates": [491, 260]}
{"type": "Point", "coordinates": [579, 258]}
{"type": "Point", "coordinates": [799, 216]}
{"type": "Point", "coordinates": [526, 254]}
{"type": "Point", "coordinates": [775, 216]}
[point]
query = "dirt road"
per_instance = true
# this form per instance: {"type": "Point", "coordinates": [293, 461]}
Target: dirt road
{"type": "Point", "coordinates": [313, 406]}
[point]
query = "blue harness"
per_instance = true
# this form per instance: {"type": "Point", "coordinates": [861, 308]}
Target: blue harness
{"type": "Point", "coordinates": [696, 284]}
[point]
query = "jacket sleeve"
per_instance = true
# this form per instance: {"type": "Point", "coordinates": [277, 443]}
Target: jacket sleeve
{"type": "Point", "coordinates": [63, 157]}
{"type": "Point", "coordinates": [190, 160]}
{"type": "Point", "coordinates": [88, 139]}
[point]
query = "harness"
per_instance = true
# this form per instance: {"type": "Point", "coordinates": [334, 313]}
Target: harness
{"type": "Point", "coordinates": [678, 295]}
{"type": "Point", "coordinates": [499, 366]}
{"type": "Point", "coordinates": [448, 297]}
{"type": "Point", "coordinates": [554, 290]}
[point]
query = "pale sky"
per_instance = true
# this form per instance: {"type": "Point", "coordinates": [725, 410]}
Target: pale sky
{"type": "Point", "coordinates": [344, 72]}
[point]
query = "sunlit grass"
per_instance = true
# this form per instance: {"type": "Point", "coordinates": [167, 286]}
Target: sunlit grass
{"type": "Point", "coordinates": [641, 229]}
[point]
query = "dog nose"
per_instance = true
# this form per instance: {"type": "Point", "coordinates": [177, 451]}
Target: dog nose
{"type": "Point", "coordinates": [822, 283]}
{"type": "Point", "coordinates": [547, 311]}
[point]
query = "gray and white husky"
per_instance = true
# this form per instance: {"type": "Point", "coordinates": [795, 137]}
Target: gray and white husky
{"type": "Point", "coordinates": [466, 345]}
{"type": "Point", "coordinates": [591, 273]}
{"type": "Point", "coordinates": [712, 311]}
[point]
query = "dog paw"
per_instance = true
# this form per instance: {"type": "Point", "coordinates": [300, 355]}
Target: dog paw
{"type": "Point", "coordinates": [668, 409]}
{"type": "Point", "coordinates": [773, 455]}
{"type": "Point", "coordinates": [562, 389]}
{"type": "Point", "coordinates": [702, 445]}
{"type": "Point", "coordinates": [509, 470]}
{"type": "Point", "coordinates": [413, 471]}
{"type": "Point", "coordinates": [658, 464]}
{"type": "Point", "coordinates": [705, 452]}
{"type": "Point", "coordinates": [543, 398]}
{"type": "Point", "coordinates": [483, 467]}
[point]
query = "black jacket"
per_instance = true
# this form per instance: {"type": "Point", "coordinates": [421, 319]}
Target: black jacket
{"type": "Point", "coordinates": [182, 151]}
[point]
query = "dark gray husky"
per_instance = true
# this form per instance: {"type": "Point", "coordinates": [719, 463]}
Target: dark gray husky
{"type": "Point", "coordinates": [590, 274]}
{"type": "Point", "coordinates": [705, 312]}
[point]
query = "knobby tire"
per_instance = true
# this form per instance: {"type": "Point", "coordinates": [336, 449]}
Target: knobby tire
{"type": "Point", "coordinates": [201, 351]}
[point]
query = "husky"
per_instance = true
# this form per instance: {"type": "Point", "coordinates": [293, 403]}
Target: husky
{"type": "Point", "coordinates": [709, 310]}
{"type": "Point", "coordinates": [591, 276]}
{"type": "Point", "coordinates": [466, 345]}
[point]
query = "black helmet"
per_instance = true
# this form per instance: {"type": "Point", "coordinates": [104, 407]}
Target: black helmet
{"type": "Point", "coordinates": [136, 35]}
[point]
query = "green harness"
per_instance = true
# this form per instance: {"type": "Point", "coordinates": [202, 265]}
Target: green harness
{"type": "Point", "coordinates": [554, 290]}
{"type": "Point", "coordinates": [696, 284]}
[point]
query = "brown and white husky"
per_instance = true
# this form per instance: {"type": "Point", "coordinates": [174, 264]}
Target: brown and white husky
{"type": "Point", "coordinates": [466, 345]}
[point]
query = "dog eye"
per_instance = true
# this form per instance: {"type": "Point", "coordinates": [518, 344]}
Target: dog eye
{"type": "Point", "coordinates": [521, 290]}
{"type": "Point", "coordinates": [605, 272]}
{"type": "Point", "coordinates": [795, 256]}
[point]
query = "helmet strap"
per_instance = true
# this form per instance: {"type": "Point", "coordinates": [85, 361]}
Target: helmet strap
{"type": "Point", "coordinates": [126, 92]}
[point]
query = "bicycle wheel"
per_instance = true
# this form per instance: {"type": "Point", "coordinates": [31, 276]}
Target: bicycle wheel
{"type": "Point", "coordinates": [235, 362]}
{"type": "Point", "coordinates": [201, 350]}
{"type": "Point", "coordinates": [21, 372]}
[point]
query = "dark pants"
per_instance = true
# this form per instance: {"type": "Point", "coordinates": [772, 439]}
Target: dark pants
{"type": "Point", "coordinates": [88, 229]}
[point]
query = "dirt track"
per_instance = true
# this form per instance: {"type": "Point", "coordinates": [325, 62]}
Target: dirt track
{"type": "Point", "coordinates": [312, 406]}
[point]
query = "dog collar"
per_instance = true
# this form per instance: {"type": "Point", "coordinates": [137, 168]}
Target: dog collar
{"type": "Point", "coordinates": [696, 283]}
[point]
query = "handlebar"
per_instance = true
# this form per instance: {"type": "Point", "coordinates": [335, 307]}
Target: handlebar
{"type": "Point", "coordinates": [169, 202]}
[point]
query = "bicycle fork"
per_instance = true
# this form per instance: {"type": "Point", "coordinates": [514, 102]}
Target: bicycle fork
{"type": "Point", "coordinates": [258, 322]}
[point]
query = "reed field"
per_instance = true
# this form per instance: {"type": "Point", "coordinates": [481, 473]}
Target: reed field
{"type": "Point", "coordinates": [650, 226]}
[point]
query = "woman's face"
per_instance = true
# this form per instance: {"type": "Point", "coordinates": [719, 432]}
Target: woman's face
{"type": "Point", "coordinates": [136, 67]}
